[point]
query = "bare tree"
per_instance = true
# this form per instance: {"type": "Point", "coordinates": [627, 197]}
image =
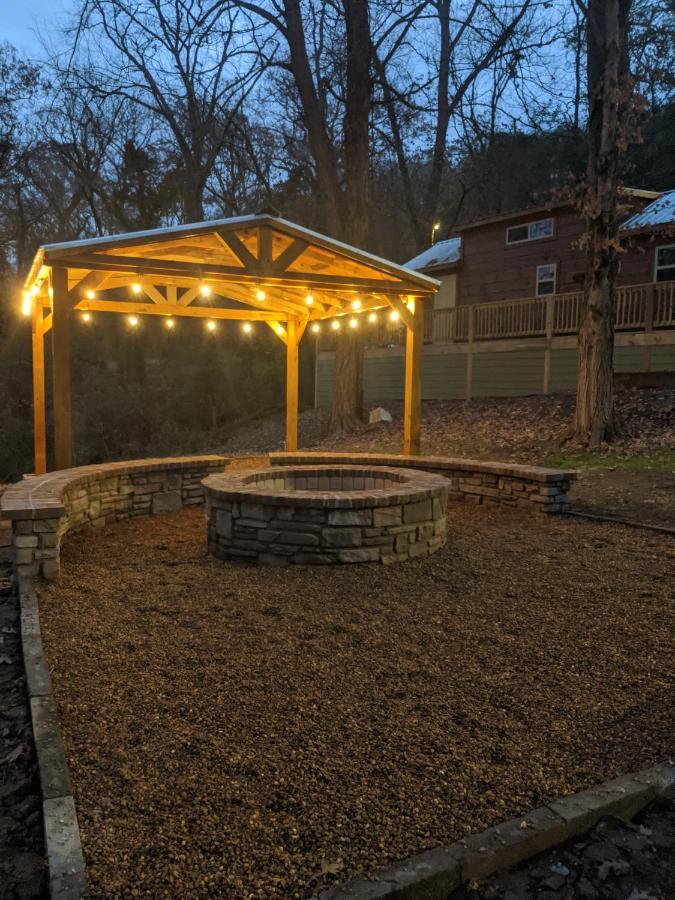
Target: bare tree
{"type": "Point", "coordinates": [188, 63]}
{"type": "Point", "coordinates": [609, 95]}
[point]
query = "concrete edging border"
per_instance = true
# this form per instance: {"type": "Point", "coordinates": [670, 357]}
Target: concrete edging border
{"type": "Point", "coordinates": [435, 874]}
{"type": "Point", "coordinates": [63, 849]}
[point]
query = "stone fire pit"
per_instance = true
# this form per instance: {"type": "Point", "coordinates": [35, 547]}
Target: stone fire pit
{"type": "Point", "coordinates": [311, 515]}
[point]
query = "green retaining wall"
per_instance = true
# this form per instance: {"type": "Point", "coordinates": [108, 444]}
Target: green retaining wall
{"type": "Point", "coordinates": [513, 373]}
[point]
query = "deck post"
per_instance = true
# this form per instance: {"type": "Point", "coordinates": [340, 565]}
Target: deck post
{"type": "Point", "coordinates": [39, 410]}
{"type": "Point", "coordinates": [414, 348]}
{"type": "Point", "coordinates": [550, 311]}
{"type": "Point", "coordinates": [61, 308]}
{"type": "Point", "coordinates": [468, 385]}
{"type": "Point", "coordinates": [291, 386]}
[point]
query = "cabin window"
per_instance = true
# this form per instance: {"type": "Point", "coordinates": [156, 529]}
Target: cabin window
{"type": "Point", "coordinates": [665, 263]}
{"type": "Point", "coordinates": [533, 231]}
{"type": "Point", "coordinates": [545, 280]}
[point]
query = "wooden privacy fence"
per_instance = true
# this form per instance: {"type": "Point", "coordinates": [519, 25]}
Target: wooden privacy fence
{"type": "Point", "coordinates": [641, 307]}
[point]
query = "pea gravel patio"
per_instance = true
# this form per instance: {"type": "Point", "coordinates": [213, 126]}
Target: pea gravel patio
{"type": "Point", "coordinates": [237, 732]}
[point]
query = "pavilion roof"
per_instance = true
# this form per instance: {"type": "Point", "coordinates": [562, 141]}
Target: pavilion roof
{"type": "Point", "coordinates": [261, 261]}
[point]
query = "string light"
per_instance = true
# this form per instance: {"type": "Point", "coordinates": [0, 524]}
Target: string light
{"type": "Point", "coordinates": [34, 291]}
{"type": "Point", "coordinates": [316, 328]}
{"type": "Point", "coordinates": [247, 328]}
{"type": "Point", "coordinates": [356, 304]}
{"type": "Point", "coordinates": [133, 321]}
{"type": "Point", "coordinates": [136, 288]}
{"type": "Point", "coordinates": [335, 325]}
{"type": "Point", "coordinates": [90, 295]}
{"type": "Point", "coordinates": [411, 304]}
{"type": "Point", "coordinates": [205, 290]}
{"type": "Point", "coordinates": [211, 325]}
{"type": "Point", "coordinates": [86, 317]}
{"type": "Point", "coordinates": [309, 300]}
{"type": "Point", "coordinates": [372, 317]}
{"type": "Point", "coordinates": [170, 323]}
{"type": "Point", "coordinates": [353, 323]}
{"type": "Point", "coordinates": [260, 295]}
{"type": "Point", "coordinates": [393, 315]}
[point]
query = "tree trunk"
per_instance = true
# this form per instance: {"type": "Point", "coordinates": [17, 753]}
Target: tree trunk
{"type": "Point", "coordinates": [608, 90]}
{"type": "Point", "coordinates": [347, 408]}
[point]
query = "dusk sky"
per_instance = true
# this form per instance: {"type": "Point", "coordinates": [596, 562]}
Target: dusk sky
{"type": "Point", "coordinates": [19, 20]}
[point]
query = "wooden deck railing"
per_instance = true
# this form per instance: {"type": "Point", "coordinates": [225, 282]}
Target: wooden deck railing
{"type": "Point", "coordinates": [641, 307]}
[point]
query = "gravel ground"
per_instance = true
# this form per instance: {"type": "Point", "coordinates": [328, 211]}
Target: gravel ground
{"type": "Point", "coordinates": [242, 732]}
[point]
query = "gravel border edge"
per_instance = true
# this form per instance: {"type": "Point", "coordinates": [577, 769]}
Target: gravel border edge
{"type": "Point", "coordinates": [63, 849]}
{"type": "Point", "coordinates": [435, 874]}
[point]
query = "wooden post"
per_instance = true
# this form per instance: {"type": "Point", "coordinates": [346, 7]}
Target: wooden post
{"type": "Point", "coordinates": [291, 386]}
{"type": "Point", "coordinates": [39, 411]}
{"type": "Point", "coordinates": [650, 303]}
{"type": "Point", "coordinates": [414, 347]}
{"type": "Point", "coordinates": [63, 438]}
{"type": "Point", "coordinates": [468, 387]}
{"type": "Point", "coordinates": [550, 309]}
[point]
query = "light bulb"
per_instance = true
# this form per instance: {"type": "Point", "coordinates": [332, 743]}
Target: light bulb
{"type": "Point", "coordinates": [170, 323]}
{"type": "Point", "coordinates": [260, 295]}
{"type": "Point", "coordinates": [211, 325]}
{"type": "Point", "coordinates": [393, 315]}
{"type": "Point", "coordinates": [26, 304]}
{"type": "Point", "coordinates": [34, 291]}
{"type": "Point", "coordinates": [133, 321]}
{"type": "Point", "coordinates": [136, 288]}
{"type": "Point", "coordinates": [309, 299]}
{"type": "Point", "coordinates": [86, 317]}
{"type": "Point", "coordinates": [316, 328]}
{"type": "Point", "coordinates": [372, 317]}
{"type": "Point", "coordinates": [90, 295]}
{"type": "Point", "coordinates": [356, 304]}
{"type": "Point", "coordinates": [335, 325]}
{"type": "Point", "coordinates": [353, 323]}
{"type": "Point", "coordinates": [247, 328]}
{"type": "Point", "coordinates": [205, 290]}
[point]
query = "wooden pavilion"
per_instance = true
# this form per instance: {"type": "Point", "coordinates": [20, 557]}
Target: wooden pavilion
{"type": "Point", "coordinates": [251, 268]}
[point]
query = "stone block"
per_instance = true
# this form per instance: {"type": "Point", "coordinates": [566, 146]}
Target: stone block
{"type": "Point", "coordinates": [314, 559]}
{"type": "Point", "coordinates": [224, 523]}
{"type": "Point", "coordinates": [361, 554]}
{"type": "Point", "coordinates": [417, 512]}
{"type": "Point", "coordinates": [418, 549]}
{"type": "Point", "coordinates": [24, 555]}
{"type": "Point", "coordinates": [341, 537]}
{"type": "Point", "coordinates": [387, 515]}
{"type": "Point", "coordinates": [299, 538]}
{"type": "Point", "coordinates": [425, 531]}
{"type": "Point", "coordinates": [350, 517]}
{"type": "Point", "coordinates": [256, 511]}
{"type": "Point", "coordinates": [25, 540]}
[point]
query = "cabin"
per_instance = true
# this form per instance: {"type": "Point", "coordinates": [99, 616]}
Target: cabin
{"type": "Point", "coordinates": [506, 315]}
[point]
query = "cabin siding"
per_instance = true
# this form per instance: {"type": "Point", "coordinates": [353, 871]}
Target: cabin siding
{"type": "Point", "coordinates": [493, 270]}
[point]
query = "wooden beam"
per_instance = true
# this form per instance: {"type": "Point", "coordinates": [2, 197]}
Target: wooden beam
{"type": "Point", "coordinates": [168, 309]}
{"type": "Point", "coordinates": [158, 268]}
{"type": "Point", "coordinates": [292, 387]}
{"type": "Point", "coordinates": [241, 251]}
{"type": "Point", "coordinates": [414, 347]}
{"type": "Point", "coordinates": [264, 248]}
{"type": "Point", "coordinates": [39, 407]}
{"type": "Point", "coordinates": [188, 296]}
{"type": "Point", "coordinates": [288, 256]}
{"type": "Point", "coordinates": [279, 330]}
{"type": "Point", "coordinates": [63, 438]}
{"type": "Point", "coordinates": [403, 311]}
{"type": "Point", "coordinates": [156, 296]}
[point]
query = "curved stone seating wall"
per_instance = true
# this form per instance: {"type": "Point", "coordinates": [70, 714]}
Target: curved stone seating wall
{"type": "Point", "coordinates": [532, 488]}
{"type": "Point", "coordinates": [43, 508]}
